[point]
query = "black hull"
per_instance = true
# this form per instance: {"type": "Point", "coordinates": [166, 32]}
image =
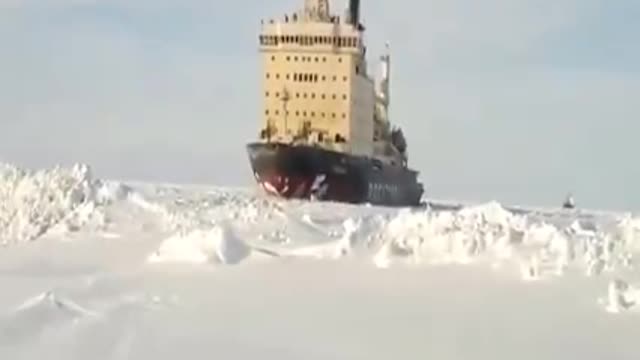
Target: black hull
{"type": "Point", "coordinates": [307, 172]}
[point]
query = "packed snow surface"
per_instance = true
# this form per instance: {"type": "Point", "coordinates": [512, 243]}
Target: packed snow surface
{"type": "Point", "coordinates": [104, 270]}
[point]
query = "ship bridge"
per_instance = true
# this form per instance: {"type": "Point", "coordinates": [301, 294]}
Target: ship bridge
{"type": "Point", "coordinates": [315, 85]}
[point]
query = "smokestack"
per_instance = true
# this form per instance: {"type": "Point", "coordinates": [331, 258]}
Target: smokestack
{"type": "Point", "coordinates": [354, 12]}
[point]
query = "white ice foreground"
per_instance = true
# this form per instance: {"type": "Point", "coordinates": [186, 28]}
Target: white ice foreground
{"type": "Point", "coordinates": [93, 269]}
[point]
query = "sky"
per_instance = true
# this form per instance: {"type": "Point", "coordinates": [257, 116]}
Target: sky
{"type": "Point", "coordinates": [514, 101]}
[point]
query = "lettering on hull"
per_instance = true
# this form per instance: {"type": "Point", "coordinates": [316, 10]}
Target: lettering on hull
{"type": "Point", "coordinates": [379, 191]}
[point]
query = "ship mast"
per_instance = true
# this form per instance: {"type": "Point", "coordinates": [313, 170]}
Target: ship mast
{"type": "Point", "coordinates": [383, 89]}
{"type": "Point", "coordinates": [385, 63]}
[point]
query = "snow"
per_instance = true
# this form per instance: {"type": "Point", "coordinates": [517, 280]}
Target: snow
{"type": "Point", "coordinates": [218, 245]}
{"type": "Point", "coordinates": [102, 269]}
{"type": "Point", "coordinates": [34, 202]}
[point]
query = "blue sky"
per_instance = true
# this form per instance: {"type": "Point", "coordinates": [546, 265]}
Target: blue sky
{"type": "Point", "coordinates": [517, 101]}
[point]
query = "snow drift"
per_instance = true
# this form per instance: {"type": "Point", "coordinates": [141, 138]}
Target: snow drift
{"type": "Point", "coordinates": [34, 202]}
{"type": "Point", "coordinates": [217, 245]}
{"type": "Point", "coordinates": [489, 232]}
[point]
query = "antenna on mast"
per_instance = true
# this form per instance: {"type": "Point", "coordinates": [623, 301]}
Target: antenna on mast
{"type": "Point", "coordinates": [316, 10]}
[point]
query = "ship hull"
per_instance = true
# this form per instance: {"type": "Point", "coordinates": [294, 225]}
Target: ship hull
{"type": "Point", "coordinates": [308, 172]}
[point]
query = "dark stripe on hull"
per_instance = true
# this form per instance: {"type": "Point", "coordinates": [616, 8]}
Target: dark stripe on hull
{"type": "Point", "coordinates": [306, 172]}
